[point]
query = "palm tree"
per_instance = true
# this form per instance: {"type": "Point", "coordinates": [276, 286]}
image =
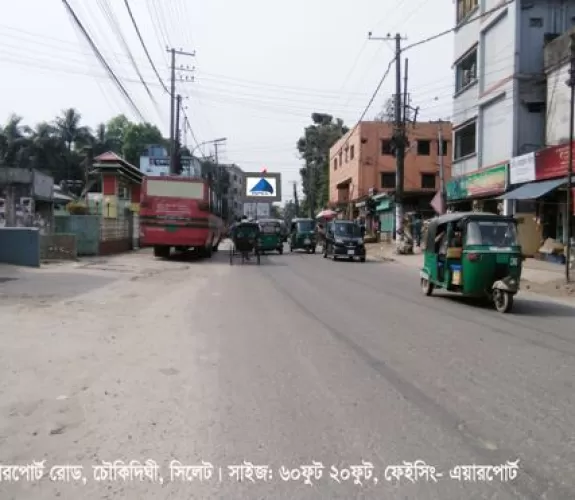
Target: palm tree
{"type": "Point", "coordinates": [70, 131]}
{"type": "Point", "coordinates": [14, 142]}
{"type": "Point", "coordinates": [48, 149]}
{"type": "Point", "coordinates": [101, 142]}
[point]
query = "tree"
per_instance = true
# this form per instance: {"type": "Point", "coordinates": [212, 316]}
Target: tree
{"type": "Point", "coordinates": [14, 142]}
{"type": "Point", "coordinates": [115, 133]}
{"type": "Point", "coordinates": [314, 148]}
{"type": "Point", "coordinates": [137, 137]}
{"type": "Point", "coordinates": [68, 126]}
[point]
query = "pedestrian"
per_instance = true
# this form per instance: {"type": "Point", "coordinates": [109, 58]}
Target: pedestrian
{"type": "Point", "coordinates": [417, 226]}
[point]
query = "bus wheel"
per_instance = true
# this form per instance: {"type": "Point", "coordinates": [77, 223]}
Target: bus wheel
{"type": "Point", "coordinates": [161, 252]}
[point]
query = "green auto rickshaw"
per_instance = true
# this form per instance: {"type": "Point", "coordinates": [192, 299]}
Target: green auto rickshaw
{"type": "Point", "coordinates": [474, 254]}
{"type": "Point", "coordinates": [271, 239]}
{"type": "Point", "coordinates": [303, 235]}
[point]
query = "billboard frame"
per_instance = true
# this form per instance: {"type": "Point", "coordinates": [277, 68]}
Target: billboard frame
{"type": "Point", "coordinates": [262, 199]}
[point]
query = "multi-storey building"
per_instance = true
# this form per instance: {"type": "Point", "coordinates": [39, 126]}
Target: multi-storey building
{"type": "Point", "coordinates": [363, 163]}
{"type": "Point", "coordinates": [499, 106]}
{"type": "Point", "coordinates": [235, 193]}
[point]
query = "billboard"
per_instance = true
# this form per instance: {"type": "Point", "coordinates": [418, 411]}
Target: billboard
{"type": "Point", "coordinates": [255, 210]}
{"type": "Point", "coordinates": [264, 187]}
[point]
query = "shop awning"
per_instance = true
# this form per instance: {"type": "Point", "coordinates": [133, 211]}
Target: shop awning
{"type": "Point", "coordinates": [383, 205]}
{"type": "Point", "coordinates": [533, 190]}
{"type": "Point", "coordinates": [379, 196]}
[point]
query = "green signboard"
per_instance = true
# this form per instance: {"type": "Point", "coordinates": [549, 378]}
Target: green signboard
{"type": "Point", "coordinates": [486, 182]}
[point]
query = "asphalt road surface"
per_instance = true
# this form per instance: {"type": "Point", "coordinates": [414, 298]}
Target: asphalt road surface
{"type": "Point", "coordinates": [296, 361]}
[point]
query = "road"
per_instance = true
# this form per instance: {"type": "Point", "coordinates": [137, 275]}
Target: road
{"type": "Point", "coordinates": [297, 360]}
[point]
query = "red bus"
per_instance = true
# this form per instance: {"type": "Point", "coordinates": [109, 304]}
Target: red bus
{"type": "Point", "coordinates": [175, 213]}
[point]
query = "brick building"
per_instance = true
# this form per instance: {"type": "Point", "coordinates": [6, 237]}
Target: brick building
{"type": "Point", "coordinates": [362, 163]}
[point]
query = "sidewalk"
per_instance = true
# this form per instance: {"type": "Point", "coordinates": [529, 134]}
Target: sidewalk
{"type": "Point", "coordinates": [537, 276]}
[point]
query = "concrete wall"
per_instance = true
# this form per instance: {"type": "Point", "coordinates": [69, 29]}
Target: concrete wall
{"type": "Point", "coordinates": [58, 247]}
{"type": "Point", "coordinates": [20, 246]}
{"type": "Point", "coordinates": [557, 55]}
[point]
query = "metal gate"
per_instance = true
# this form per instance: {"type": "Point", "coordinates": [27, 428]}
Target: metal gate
{"type": "Point", "coordinates": [85, 227]}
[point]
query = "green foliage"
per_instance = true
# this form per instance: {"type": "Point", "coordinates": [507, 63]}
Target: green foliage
{"type": "Point", "coordinates": [59, 147]}
{"type": "Point", "coordinates": [313, 148]}
{"type": "Point", "coordinates": [137, 136]}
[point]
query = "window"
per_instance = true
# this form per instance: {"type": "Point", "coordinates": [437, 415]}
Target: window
{"type": "Point", "coordinates": [424, 148]}
{"type": "Point", "coordinates": [388, 180]}
{"type": "Point", "coordinates": [386, 147]}
{"type": "Point", "coordinates": [428, 181]}
{"type": "Point", "coordinates": [536, 22]}
{"type": "Point", "coordinates": [464, 8]}
{"type": "Point", "coordinates": [443, 145]}
{"type": "Point", "coordinates": [465, 141]}
{"type": "Point", "coordinates": [466, 71]}
{"type": "Point", "coordinates": [346, 154]}
{"type": "Point", "coordinates": [351, 152]}
{"type": "Point", "coordinates": [335, 163]}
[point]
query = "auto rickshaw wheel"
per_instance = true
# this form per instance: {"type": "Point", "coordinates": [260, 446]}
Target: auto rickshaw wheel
{"type": "Point", "coordinates": [280, 250]}
{"type": "Point", "coordinates": [503, 301]}
{"type": "Point", "coordinates": [258, 258]}
{"type": "Point", "coordinates": [426, 286]}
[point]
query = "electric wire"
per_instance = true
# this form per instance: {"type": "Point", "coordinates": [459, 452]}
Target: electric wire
{"type": "Point", "coordinates": [143, 44]}
{"type": "Point", "coordinates": [110, 71]}
{"type": "Point", "coordinates": [113, 21]}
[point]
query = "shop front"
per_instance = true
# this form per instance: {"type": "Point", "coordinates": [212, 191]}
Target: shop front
{"type": "Point", "coordinates": [538, 190]}
{"type": "Point", "coordinates": [478, 191]}
{"type": "Point", "coordinates": [385, 213]}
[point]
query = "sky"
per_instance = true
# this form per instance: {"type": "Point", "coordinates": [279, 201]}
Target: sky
{"type": "Point", "coordinates": [261, 67]}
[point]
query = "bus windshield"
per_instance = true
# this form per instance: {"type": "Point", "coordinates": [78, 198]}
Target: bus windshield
{"type": "Point", "coordinates": [173, 189]}
{"type": "Point", "coordinates": [492, 233]}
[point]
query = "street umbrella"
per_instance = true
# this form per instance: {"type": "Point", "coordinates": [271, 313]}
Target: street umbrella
{"type": "Point", "coordinates": [326, 214]}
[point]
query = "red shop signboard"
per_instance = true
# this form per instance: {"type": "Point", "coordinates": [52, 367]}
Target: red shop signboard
{"type": "Point", "coordinates": [553, 162]}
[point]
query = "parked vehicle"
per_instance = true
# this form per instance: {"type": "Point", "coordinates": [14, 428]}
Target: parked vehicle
{"type": "Point", "coordinates": [245, 238]}
{"type": "Point", "coordinates": [473, 254]}
{"type": "Point", "coordinates": [175, 213]}
{"type": "Point", "coordinates": [303, 235]}
{"type": "Point", "coordinates": [343, 239]}
{"type": "Point", "coordinates": [271, 238]}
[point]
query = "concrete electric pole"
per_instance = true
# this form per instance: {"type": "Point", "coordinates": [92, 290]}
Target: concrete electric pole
{"type": "Point", "coordinates": [441, 167]}
{"type": "Point", "coordinates": [173, 53]}
{"type": "Point", "coordinates": [399, 138]}
{"type": "Point", "coordinates": [571, 84]}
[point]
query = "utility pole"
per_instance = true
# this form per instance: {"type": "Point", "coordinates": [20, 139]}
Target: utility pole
{"type": "Point", "coordinates": [571, 84]}
{"type": "Point", "coordinates": [88, 163]}
{"type": "Point", "coordinates": [399, 138]}
{"type": "Point", "coordinates": [173, 53]}
{"type": "Point", "coordinates": [295, 199]}
{"type": "Point", "coordinates": [177, 160]}
{"type": "Point", "coordinates": [218, 179]}
{"type": "Point", "coordinates": [311, 184]}
{"type": "Point", "coordinates": [441, 167]}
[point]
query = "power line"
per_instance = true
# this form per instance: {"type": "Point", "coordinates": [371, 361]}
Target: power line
{"type": "Point", "coordinates": [102, 60]}
{"type": "Point", "coordinates": [459, 26]}
{"type": "Point", "coordinates": [135, 24]}
{"type": "Point", "coordinates": [413, 45]}
{"type": "Point", "coordinates": [366, 109]}
{"type": "Point", "coordinates": [108, 12]}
